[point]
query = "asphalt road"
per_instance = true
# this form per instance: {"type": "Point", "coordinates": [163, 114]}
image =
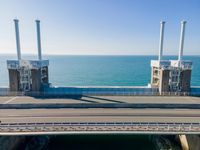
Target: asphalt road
{"type": "Point", "coordinates": [100, 114]}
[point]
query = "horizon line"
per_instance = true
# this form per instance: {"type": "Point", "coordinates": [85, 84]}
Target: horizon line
{"type": "Point", "coordinates": [34, 54]}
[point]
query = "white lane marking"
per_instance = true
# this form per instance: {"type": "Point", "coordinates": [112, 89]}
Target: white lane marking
{"type": "Point", "coordinates": [10, 100]}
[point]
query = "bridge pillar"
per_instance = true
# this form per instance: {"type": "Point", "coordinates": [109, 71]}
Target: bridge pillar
{"type": "Point", "coordinates": [184, 142]}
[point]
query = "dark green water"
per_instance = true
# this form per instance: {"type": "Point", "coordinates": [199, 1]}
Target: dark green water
{"type": "Point", "coordinates": [101, 142]}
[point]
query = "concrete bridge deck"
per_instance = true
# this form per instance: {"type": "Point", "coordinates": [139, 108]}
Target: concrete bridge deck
{"type": "Point", "coordinates": [100, 120]}
{"type": "Point", "coordinates": [78, 99]}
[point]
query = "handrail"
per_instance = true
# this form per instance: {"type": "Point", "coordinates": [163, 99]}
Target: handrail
{"type": "Point", "coordinates": [97, 93]}
{"type": "Point", "coordinates": [146, 127]}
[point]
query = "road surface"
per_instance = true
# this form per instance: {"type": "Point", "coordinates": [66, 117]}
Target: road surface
{"type": "Point", "coordinates": [70, 120]}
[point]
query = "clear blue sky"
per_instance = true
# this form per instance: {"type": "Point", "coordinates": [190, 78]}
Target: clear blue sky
{"type": "Point", "coordinates": [101, 27]}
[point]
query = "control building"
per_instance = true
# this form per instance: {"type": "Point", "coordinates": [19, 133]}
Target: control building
{"type": "Point", "coordinates": [171, 76]}
{"type": "Point", "coordinates": [28, 75]}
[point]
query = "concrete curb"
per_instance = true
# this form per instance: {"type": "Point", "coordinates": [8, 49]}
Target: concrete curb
{"type": "Point", "coordinates": [99, 105]}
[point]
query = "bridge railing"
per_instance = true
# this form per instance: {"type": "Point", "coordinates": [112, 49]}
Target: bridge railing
{"type": "Point", "coordinates": [143, 127]}
{"type": "Point", "coordinates": [96, 93]}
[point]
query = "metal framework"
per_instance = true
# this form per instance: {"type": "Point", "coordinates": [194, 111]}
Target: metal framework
{"type": "Point", "coordinates": [43, 73]}
{"type": "Point", "coordinates": [174, 80]}
{"type": "Point", "coordinates": [25, 79]}
{"type": "Point", "coordinates": [98, 127]}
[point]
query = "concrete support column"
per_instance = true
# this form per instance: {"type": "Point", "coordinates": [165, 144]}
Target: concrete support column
{"type": "Point", "coordinates": [184, 142]}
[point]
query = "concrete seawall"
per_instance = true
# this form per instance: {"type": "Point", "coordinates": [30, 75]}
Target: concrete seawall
{"type": "Point", "coordinates": [195, 90]}
{"type": "Point", "coordinates": [102, 90]}
{"type": "Point", "coordinates": [98, 90]}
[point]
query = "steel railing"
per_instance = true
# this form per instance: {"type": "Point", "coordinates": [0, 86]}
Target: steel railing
{"type": "Point", "coordinates": [102, 126]}
{"type": "Point", "coordinates": [96, 93]}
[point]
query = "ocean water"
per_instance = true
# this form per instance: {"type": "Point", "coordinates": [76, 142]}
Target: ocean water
{"type": "Point", "coordinates": [99, 70]}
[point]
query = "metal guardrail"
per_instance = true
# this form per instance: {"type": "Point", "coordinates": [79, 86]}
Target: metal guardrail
{"type": "Point", "coordinates": [89, 127]}
{"type": "Point", "coordinates": [9, 93]}
{"type": "Point", "coordinates": [16, 64]}
{"type": "Point", "coordinates": [97, 93]}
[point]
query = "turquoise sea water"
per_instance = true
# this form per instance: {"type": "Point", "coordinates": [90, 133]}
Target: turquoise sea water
{"type": "Point", "coordinates": [99, 70]}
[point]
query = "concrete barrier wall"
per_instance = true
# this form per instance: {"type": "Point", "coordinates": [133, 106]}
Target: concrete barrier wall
{"type": "Point", "coordinates": [99, 105]}
{"type": "Point", "coordinates": [4, 91]}
{"type": "Point", "coordinates": [195, 90]}
{"type": "Point", "coordinates": [104, 90]}
{"type": "Point", "coordinates": [99, 90]}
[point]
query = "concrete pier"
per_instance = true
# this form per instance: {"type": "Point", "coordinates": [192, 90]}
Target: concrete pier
{"type": "Point", "coordinates": [184, 142]}
{"type": "Point", "coordinates": [26, 75]}
{"type": "Point", "coordinates": [13, 80]}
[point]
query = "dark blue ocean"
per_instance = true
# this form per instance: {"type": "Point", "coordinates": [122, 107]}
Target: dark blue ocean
{"type": "Point", "coordinates": [66, 70]}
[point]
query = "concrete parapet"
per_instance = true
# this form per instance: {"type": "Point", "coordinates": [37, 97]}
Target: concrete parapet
{"type": "Point", "coordinates": [98, 105]}
{"type": "Point", "coordinates": [195, 91]}
{"type": "Point", "coordinates": [102, 90]}
{"type": "Point", "coordinates": [98, 90]}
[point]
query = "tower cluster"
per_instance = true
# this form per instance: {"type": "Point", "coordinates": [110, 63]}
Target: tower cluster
{"type": "Point", "coordinates": [28, 75]}
{"type": "Point", "coordinates": [171, 76]}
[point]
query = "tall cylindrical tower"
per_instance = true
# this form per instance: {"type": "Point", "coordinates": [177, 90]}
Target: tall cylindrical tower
{"type": "Point", "coordinates": [181, 44]}
{"type": "Point", "coordinates": [16, 21]}
{"type": "Point", "coordinates": [162, 26]}
{"type": "Point", "coordinates": [38, 39]}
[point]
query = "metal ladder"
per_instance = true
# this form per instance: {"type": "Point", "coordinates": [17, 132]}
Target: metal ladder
{"type": "Point", "coordinates": [25, 79]}
{"type": "Point", "coordinates": [43, 73]}
{"type": "Point", "coordinates": [174, 80]}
